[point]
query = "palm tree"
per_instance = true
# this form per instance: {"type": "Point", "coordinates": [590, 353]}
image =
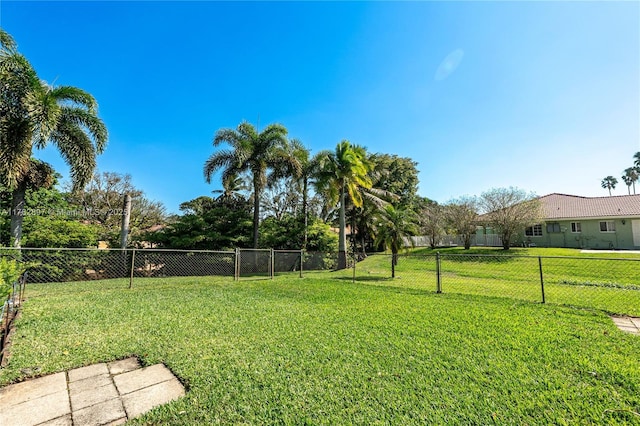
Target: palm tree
{"type": "Point", "coordinates": [609, 183]}
{"type": "Point", "coordinates": [393, 230]}
{"type": "Point", "coordinates": [35, 114]}
{"type": "Point", "coordinates": [341, 173]}
{"type": "Point", "coordinates": [232, 190]}
{"type": "Point", "coordinates": [630, 177]}
{"type": "Point", "coordinates": [253, 152]}
{"type": "Point", "coordinates": [308, 171]}
{"type": "Point", "coordinates": [636, 159]}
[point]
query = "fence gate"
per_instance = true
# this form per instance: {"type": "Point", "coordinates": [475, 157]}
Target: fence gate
{"type": "Point", "coordinates": [254, 263]}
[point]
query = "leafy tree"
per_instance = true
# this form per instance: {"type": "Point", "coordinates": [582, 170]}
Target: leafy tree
{"type": "Point", "coordinates": [280, 198]}
{"type": "Point", "coordinates": [396, 175]}
{"type": "Point", "coordinates": [207, 225]}
{"type": "Point", "coordinates": [510, 210]}
{"type": "Point", "coordinates": [54, 231]}
{"type": "Point", "coordinates": [341, 173]}
{"type": "Point", "coordinates": [199, 206]}
{"type": "Point", "coordinates": [609, 183]}
{"type": "Point", "coordinates": [287, 233]}
{"type": "Point", "coordinates": [630, 177]}
{"type": "Point", "coordinates": [254, 152]}
{"type": "Point", "coordinates": [34, 114]}
{"type": "Point", "coordinates": [431, 220]}
{"type": "Point", "coordinates": [394, 228]}
{"type": "Point", "coordinates": [101, 200]}
{"type": "Point", "coordinates": [462, 218]}
{"type": "Point", "coordinates": [636, 159]}
{"type": "Point", "coordinates": [49, 219]}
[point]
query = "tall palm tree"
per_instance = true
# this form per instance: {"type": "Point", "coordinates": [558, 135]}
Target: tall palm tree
{"type": "Point", "coordinates": [342, 173]}
{"type": "Point", "coordinates": [254, 152]}
{"type": "Point", "coordinates": [35, 114]}
{"type": "Point", "coordinates": [609, 183]}
{"type": "Point", "coordinates": [308, 170]}
{"type": "Point", "coordinates": [636, 159]}
{"type": "Point", "coordinates": [630, 177]}
{"type": "Point", "coordinates": [394, 228]}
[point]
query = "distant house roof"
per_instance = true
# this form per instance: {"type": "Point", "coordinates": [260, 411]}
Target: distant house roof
{"type": "Point", "coordinates": [562, 206]}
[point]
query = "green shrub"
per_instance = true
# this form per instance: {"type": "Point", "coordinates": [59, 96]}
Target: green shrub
{"type": "Point", "coordinates": [10, 271]}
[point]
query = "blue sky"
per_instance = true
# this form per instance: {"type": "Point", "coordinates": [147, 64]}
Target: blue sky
{"type": "Point", "coordinates": [544, 96]}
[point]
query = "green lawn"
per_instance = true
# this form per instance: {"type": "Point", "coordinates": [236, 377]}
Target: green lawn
{"type": "Point", "coordinates": [326, 351]}
{"type": "Point", "coordinates": [570, 277]}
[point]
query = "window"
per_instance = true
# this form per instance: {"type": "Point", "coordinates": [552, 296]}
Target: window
{"type": "Point", "coordinates": [553, 227]}
{"type": "Point", "coordinates": [533, 231]}
{"type": "Point", "coordinates": [608, 226]}
{"type": "Point", "coordinates": [575, 227]}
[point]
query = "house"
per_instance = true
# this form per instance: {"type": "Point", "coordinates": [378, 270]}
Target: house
{"type": "Point", "coordinates": [587, 222]}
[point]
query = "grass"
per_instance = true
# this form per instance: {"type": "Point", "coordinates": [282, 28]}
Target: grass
{"type": "Point", "coordinates": [326, 351]}
{"type": "Point", "coordinates": [576, 279]}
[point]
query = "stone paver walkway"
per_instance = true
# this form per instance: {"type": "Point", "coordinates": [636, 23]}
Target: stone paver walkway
{"type": "Point", "coordinates": [628, 324]}
{"type": "Point", "coordinates": [100, 394]}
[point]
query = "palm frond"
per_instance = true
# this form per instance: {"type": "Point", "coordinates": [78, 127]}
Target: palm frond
{"type": "Point", "coordinates": [76, 96]}
{"type": "Point", "coordinates": [78, 151]}
{"type": "Point", "coordinates": [218, 160]}
{"type": "Point", "coordinates": [6, 41]}
{"type": "Point", "coordinates": [228, 136]}
{"type": "Point", "coordinates": [89, 121]}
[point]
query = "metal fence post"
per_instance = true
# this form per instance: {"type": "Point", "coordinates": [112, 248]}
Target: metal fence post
{"type": "Point", "coordinates": [438, 274]}
{"type": "Point", "coordinates": [541, 277]}
{"type": "Point", "coordinates": [133, 262]}
{"type": "Point", "coordinates": [301, 261]}
{"type": "Point", "coordinates": [272, 264]}
{"type": "Point", "coordinates": [236, 266]}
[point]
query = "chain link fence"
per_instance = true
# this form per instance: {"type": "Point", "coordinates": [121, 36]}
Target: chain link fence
{"type": "Point", "coordinates": [68, 265]}
{"type": "Point", "coordinates": [608, 284]}
{"type": "Point", "coordinates": [8, 313]}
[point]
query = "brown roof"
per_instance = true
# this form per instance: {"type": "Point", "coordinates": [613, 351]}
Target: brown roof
{"type": "Point", "coordinates": [562, 206]}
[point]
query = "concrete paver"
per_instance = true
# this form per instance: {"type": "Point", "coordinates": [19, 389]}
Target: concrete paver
{"type": "Point", "coordinates": [143, 400]}
{"type": "Point", "coordinates": [89, 371]}
{"type": "Point", "coordinates": [628, 324]}
{"type": "Point", "coordinates": [99, 414]}
{"type": "Point", "coordinates": [138, 379]}
{"type": "Point", "coordinates": [123, 366]}
{"type": "Point", "coordinates": [100, 394]}
{"type": "Point", "coordinates": [89, 383]}
{"type": "Point", "coordinates": [38, 410]}
{"type": "Point", "coordinates": [32, 389]}
{"type": "Point", "coordinates": [60, 421]}
{"type": "Point", "coordinates": [94, 396]}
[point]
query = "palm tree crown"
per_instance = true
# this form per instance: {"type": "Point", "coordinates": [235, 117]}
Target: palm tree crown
{"type": "Point", "coordinates": [609, 183]}
{"type": "Point", "coordinates": [254, 152]}
{"type": "Point", "coordinates": [34, 114]}
{"type": "Point", "coordinates": [394, 228]}
{"type": "Point", "coordinates": [630, 177]}
{"type": "Point", "coordinates": [341, 173]}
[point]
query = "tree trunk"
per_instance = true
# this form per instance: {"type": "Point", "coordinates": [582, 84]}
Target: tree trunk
{"type": "Point", "coordinates": [17, 213]}
{"type": "Point", "coordinates": [467, 242]}
{"type": "Point", "coordinates": [257, 190]}
{"type": "Point", "coordinates": [126, 216]}
{"type": "Point", "coordinates": [342, 241]}
{"type": "Point", "coordinates": [305, 213]}
{"type": "Point", "coordinates": [394, 262]}
{"type": "Point", "coordinates": [506, 240]}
